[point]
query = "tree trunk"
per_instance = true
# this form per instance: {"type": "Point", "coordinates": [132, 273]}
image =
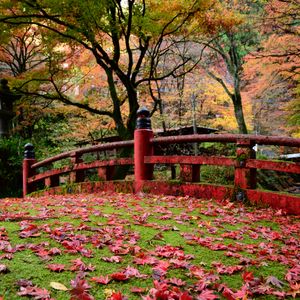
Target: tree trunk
{"type": "Point", "coordinates": [127, 133]}
{"type": "Point", "coordinates": [238, 112]}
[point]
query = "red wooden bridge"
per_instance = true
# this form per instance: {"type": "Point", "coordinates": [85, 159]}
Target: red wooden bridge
{"type": "Point", "coordinates": [43, 175]}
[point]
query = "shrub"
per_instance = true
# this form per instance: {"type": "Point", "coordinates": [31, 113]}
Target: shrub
{"type": "Point", "coordinates": [11, 156]}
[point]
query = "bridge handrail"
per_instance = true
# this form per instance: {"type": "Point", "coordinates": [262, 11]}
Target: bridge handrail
{"type": "Point", "coordinates": [222, 138]}
{"type": "Point", "coordinates": [228, 138]}
{"type": "Point", "coordinates": [81, 151]}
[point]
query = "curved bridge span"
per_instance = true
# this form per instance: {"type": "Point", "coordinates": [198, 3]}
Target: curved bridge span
{"type": "Point", "coordinates": [44, 177]}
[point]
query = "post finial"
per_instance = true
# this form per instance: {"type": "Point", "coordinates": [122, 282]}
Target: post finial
{"type": "Point", "coordinates": [29, 151]}
{"type": "Point", "coordinates": [143, 118]}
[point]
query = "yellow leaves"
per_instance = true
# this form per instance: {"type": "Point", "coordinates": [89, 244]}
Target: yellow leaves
{"type": "Point", "coordinates": [169, 6]}
{"type": "Point", "coordinates": [173, 13]}
{"type": "Point", "coordinates": [108, 293]}
{"type": "Point", "coordinates": [219, 18]}
{"type": "Point", "coordinates": [58, 286]}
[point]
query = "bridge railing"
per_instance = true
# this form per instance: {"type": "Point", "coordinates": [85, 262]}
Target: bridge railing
{"type": "Point", "coordinates": [75, 167]}
{"type": "Point", "coordinates": [244, 163]}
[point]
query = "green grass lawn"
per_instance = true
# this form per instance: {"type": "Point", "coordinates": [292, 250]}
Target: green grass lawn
{"type": "Point", "coordinates": [121, 246]}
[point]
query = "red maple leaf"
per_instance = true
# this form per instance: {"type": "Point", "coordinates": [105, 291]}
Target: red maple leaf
{"type": "Point", "coordinates": [138, 290]}
{"type": "Point", "coordinates": [143, 259]}
{"type": "Point", "coordinates": [54, 251]}
{"type": "Point", "coordinates": [56, 267]}
{"type": "Point", "coordinates": [293, 274]}
{"type": "Point", "coordinates": [177, 281]}
{"type": "Point", "coordinates": [185, 296]}
{"type": "Point", "coordinates": [37, 293]}
{"type": "Point", "coordinates": [28, 230]}
{"type": "Point", "coordinates": [115, 259]}
{"type": "Point", "coordinates": [294, 290]}
{"type": "Point", "coordinates": [222, 269]}
{"type": "Point", "coordinates": [117, 296]}
{"type": "Point", "coordinates": [79, 265]}
{"type": "Point", "coordinates": [119, 276]}
{"type": "Point", "coordinates": [133, 272]}
{"type": "Point", "coordinates": [178, 263]}
{"type": "Point", "coordinates": [201, 285]}
{"type": "Point", "coordinates": [101, 279]}
{"type": "Point", "coordinates": [207, 295]}
{"type": "Point", "coordinates": [247, 276]}
{"type": "Point", "coordinates": [162, 295]}
{"type": "Point", "coordinates": [242, 293]}
{"type": "Point", "coordinates": [158, 273]}
{"type": "Point", "coordinates": [228, 294]}
{"type": "Point", "coordinates": [80, 289]}
{"type": "Point", "coordinates": [43, 254]}
{"type": "Point", "coordinates": [24, 283]}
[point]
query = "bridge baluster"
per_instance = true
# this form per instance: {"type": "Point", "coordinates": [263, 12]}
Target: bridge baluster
{"type": "Point", "coordinates": [106, 173]}
{"type": "Point", "coordinates": [76, 176]}
{"type": "Point", "coordinates": [244, 178]}
{"type": "Point", "coordinates": [52, 181]}
{"type": "Point", "coordinates": [190, 173]}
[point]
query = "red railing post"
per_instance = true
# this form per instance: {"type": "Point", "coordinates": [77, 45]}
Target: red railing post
{"type": "Point", "coordinates": [106, 173]}
{"type": "Point", "coordinates": [190, 173]}
{"type": "Point", "coordinates": [28, 161]}
{"type": "Point", "coordinates": [52, 181]}
{"type": "Point", "coordinates": [244, 178]}
{"type": "Point", "coordinates": [142, 147]}
{"type": "Point", "coordinates": [76, 176]}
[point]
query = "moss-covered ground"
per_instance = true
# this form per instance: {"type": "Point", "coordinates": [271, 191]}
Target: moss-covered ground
{"type": "Point", "coordinates": [121, 246]}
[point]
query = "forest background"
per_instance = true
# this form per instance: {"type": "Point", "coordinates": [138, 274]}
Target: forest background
{"type": "Point", "coordinates": [81, 69]}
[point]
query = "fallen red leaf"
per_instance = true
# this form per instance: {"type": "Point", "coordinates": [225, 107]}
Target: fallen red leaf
{"type": "Point", "coordinates": [80, 289]}
{"type": "Point", "coordinates": [115, 259]}
{"type": "Point", "coordinates": [138, 290]}
{"type": "Point", "coordinates": [177, 281]}
{"type": "Point", "coordinates": [207, 295]}
{"type": "Point", "coordinates": [35, 292]}
{"type": "Point", "coordinates": [79, 265]}
{"type": "Point", "coordinates": [117, 296]}
{"type": "Point", "coordinates": [56, 267]}
{"type": "Point", "coordinates": [119, 276]}
{"type": "Point", "coordinates": [247, 276]}
{"type": "Point", "coordinates": [101, 279]}
{"type": "Point", "coordinates": [24, 283]}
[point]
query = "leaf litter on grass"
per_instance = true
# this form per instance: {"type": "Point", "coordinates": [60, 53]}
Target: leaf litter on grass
{"type": "Point", "coordinates": [121, 246]}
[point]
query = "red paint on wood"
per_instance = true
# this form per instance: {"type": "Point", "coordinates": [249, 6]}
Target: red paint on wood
{"type": "Point", "coordinates": [192, 160]}
{"type": "Point", "coordinates": [190, 173]}
{"type": "Point", "coordinates": [80, 151]}
{"type": "Point", "coordinates": [81, 166]}
{"type": "Point", "coordinates": [27, 172]}
{"type": "Point", "coordinates": [201, 191]}
{"type": "Point", "coordinates": [244, 177]}
{"type": "Point", "coordinates": [142, 148]}
{"type": "Point", "coordinates": [76, 175]}
{"type": "Point", "coordinates": [288, 167]}
{"type": "Point", "coordinates": [228, 138]}
{"type": "Point", "coordinates": [245, 167]}
{"type": "Point", "coordinates": [52, 181]}
{"type": "Point", "coordinates": [288, 203]}
{"type": "Point", "coordinates": [106, 173]}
